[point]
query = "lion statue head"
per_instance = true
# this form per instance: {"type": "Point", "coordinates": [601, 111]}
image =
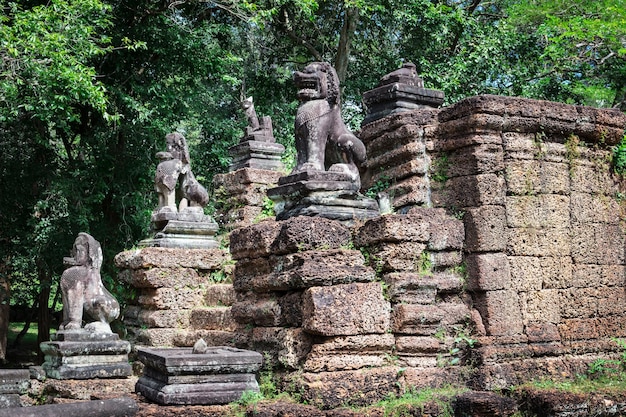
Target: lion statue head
{"type": "Point", "coordinates": [318, 81]}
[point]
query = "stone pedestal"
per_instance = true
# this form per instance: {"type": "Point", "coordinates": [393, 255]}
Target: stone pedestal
{"type": "Point", "coordinates": [13, 382]}
{"type": "Point", "coordinates": [258, 148]}
{"type": "Point", "coordinates": [190, 228]}
{"type": "Point", "coordinates": [178, 376]}
{"type": "Point", "coordinates": [333, 195]}
{"type": "Point", "coordinates": [395, 96]}
{"type": "Point", "coordinates": [257, 154]}
{"type": "Point", "coordinates": [84, 355]}
{"type": "Point", "coordinates": [241, 196]}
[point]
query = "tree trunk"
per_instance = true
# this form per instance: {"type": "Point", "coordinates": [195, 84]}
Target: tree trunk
{"type": "Point", "coordinates": [43, 323]}
{"type": "Point", "coordinates": [4, 312]}
{"type": "Point", "coordinates": [347, 33]}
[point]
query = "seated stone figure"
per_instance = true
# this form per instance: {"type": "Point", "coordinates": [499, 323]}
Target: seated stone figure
{"type": "Point", "coordinates": [174, 175]}
{"type": "Point", "coordinates": [83, 291]}
{"type": "Point", "coordinates": [323, 141]}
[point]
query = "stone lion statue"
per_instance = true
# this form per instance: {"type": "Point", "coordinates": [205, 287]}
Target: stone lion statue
{"type": "Point", "coordinates": [83, 291]}
{"type": "Point", "coordinates": [323, 141]}
{"type": "Point", "coordinates": [174, 169]}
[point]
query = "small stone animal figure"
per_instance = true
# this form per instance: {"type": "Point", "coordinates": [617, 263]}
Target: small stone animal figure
{"type": "Point", "coordinates": [173, 170]}
{"type": "Point", "coordinates": [322, 138]}
{"type": "Point", "coordinates": [253, 120]}
{"type": "Point", "coordinates": [200, 347]}
{"type": "Point", "coordinates": [407, 74]}
{"type": "Point", "coordinates": [83, 291]}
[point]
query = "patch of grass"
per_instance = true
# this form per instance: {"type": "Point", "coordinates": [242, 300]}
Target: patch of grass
{"type": "Point", "coordinates": [29, 339]}
{"type": "Point", "coordinates": [414, 399]}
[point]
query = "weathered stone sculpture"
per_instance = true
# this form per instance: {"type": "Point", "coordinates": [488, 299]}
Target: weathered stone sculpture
{"type": "Point", "coordinates": [83, 291]}
{"type": "Point", "coordinates": [92, 351]}
{"type": "Point", "coordinates": [179, 219]}
{"type": "Point", "coordinates": [322, 139]}
{"type": "Point", "coordinates": [175, 168]}
{"type": "Point", "coordinates": [326, 180]}
{"type": "Point", "coordinates": [258, 148]}
{"type": "Point", "coordinates": [399, 91]}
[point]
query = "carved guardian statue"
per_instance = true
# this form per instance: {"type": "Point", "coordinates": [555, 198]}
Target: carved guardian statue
{"type": "Point", "coordinates": [83, 291]}
{"type": "Point", "coordinates": [323, 141]}
{"type": "Point", "coordinates": [173, 174]}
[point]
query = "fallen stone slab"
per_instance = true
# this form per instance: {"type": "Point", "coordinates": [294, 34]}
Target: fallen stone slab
{"type": "Point", "coordinates": [116, 407]}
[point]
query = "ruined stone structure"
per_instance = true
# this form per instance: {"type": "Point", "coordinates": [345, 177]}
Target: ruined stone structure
{"type": "Point", "coordinates": [544, 224]}
{"type": "Point", "coordinates": [181, 296]}
{"type": "Point", "coordinates": [504, 258]}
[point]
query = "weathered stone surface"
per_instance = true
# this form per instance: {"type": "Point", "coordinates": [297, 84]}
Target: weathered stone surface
{"type": "Point", "coordinates": [328, 390]}
{"type": "Point", "coordinates": [350, 352]}
{"type": "Point", "coordinates": [538, 242]}
{"type": "Point", "coordinates": [418, 345]}
{"type": "Point", "coordinates": [302, 270]}
{"type": "Point", "coordinates": [285, 346]}
{"type": "Point", "coordinates": [585, 178]}
{"type": "Point", "coordinates": [238, 181]}
{"type": "Point", "coordinates": [597, 243]}
{"type": "Point", "coordinates": [216, 360]}
{"type": "Point", "coordinates": [473, 160]}
{"type": "Point", "coordinates": [213, 318]}
{"type": "Point", "coordinates": [542, 305]}
{"type": "Point", "coordinates": [528, 115]}
{"type": "Point", "coordinates": [166, 298]}
{"type": "Point", "coordinates": [446, 232]}
{"type": "Point", "coordinates": [159, 318]}
{"type": "Point", "coordinates": [162, 277]}
{"type": "Point", "coordinates": [488, 271]}
{"type": "Point", "coordinates": [485, 229]}
{"type": "Point", "coordinates": [424, 320]}
{"type": "Point", "coordinates": [187, 338]}
{"type": "Point", "coordinates": [526, 177]}
{"type": "Point", "coordinates": [500, 312]}
{"type": "Point", "coordinates": [396, 257]}
{"type": "Point", "coordinates": [541, 332]}
{"type": "Point", "coordinates": [534, 273]}
{"type": "Point", "coordinates": [603, 275]}
{"type": "Point", "coordinates": [542, 211]}
{"type": "Point", "coordinates": [483, 403]}
{"type": "Point", "coordinates": [221, 391]}
{"type": "Point", "coordinates": [219, 295]}
{"type": "Point", "coordinates": [408, 287]}
{"type": "Point", "coordinates": [115, 407]}
{"type": "Point", "coordinates": [587, 208]}
{"type": "Point", "coordinates": [348, 309]}
{"type": "Point", "coordinates": [293, 235]}
{"type": "Point", "coordinates": [14, 381]}
{"type": "Point", "coordinates": [433, 377]}
{"type": "Point", "coordinates": [270, 310]}
{"type": "Point", "coordinates": [200, 259]}
{"type": "Point", "coordinates": [470, 191]}
{"type": "Point", "coordinates": [411, 191]}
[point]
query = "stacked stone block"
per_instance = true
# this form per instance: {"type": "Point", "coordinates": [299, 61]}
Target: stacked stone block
{"type": "Point", "coordinates": [241, 196]}
{"type": "Point", "coordinates": [398, 160]}
{"type": "Point", "coordinates": [181, 295]}
{"type": "Point", "coordinates": [311, 302]}
{"type": "Point", "coordinates": [544, 246]}
{"type": "Point", "coordinates": [418, 256]}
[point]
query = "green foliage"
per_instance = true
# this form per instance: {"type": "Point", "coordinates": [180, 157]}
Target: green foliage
{"type": "Point", "coordinates": [424, 264]}
{"type": "Point", "coordinates": [413, 401]}
{"type": "Point", "coordinates": [382, 184]}
{"type": "Point", "coordinates": [619, 157]}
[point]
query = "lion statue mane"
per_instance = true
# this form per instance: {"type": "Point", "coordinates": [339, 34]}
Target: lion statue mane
{"type": "Point", "coordinates": [323, 141]}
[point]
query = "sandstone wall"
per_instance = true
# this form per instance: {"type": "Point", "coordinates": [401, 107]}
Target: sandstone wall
{"type": "Point", "coordinates": [544, 223]}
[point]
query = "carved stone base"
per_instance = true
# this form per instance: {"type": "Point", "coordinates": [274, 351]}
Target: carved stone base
{"type": "Point", "coordinates": [81, 354]}
{"type": "Point", "coordinates": [13, 382]}
{"type": "Point", "coordinates": [190, 228]}
{"type": "Point", "coordinates": [396, 98]}
{"type": "Point", "coordinates": [332, 195]}
{"type": "Point", "coordinates": [257, 154]}
{"type": "Point", "coordinates": [178, 376]}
